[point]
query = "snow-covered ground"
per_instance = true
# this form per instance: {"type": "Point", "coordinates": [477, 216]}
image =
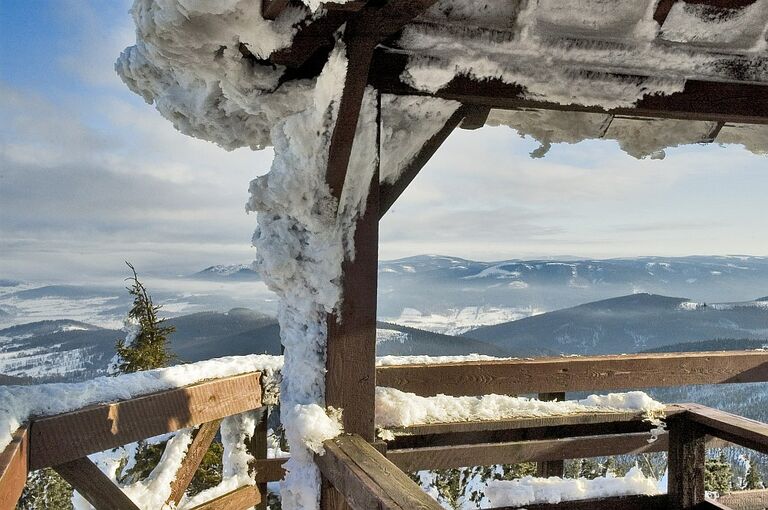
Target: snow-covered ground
{"type": "Point", "coordinates": [458, 321]}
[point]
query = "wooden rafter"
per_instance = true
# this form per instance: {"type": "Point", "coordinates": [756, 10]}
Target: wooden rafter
{"type": "Point", "coordinates": [659, 502]}
{"type": "Point", "coordinates": [700, 100]}
{"type": "Point", "coordinates": [389, 193]}
{"type": "Point", "coordinates": [475, 117]}
{"type": "Point", "coordinates": [88, 480]}
{"type": "Point", "coordinates": [110, 425]}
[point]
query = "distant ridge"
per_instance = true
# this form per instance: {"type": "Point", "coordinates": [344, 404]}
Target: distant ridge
{"type": "Point", "coordinates": [637, 322]}
{"type": "Point", "coordinates": [227, 272]}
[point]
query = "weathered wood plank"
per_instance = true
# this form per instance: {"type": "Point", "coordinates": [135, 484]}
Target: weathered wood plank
{"type": "Point", "coordinates": [239, 499]}
{"type": "Point", "coordinates": [367, 479]}
{"type": "Point", "coordinates": [389, 193]}
{"type": "Point", "coordinates": [701, 99]}
{"type": "Point", "coordinates": [14, 466]}
{"type": "Point", "coordinates": [523, 429]}
{"type": "Point", "coordinates": [735, 429]}
{"type": "Point", "coordinates": [745, 500]}
{"type": "Point", "coordinates": [588, 373]}
{"type": "Point", "coordinates": [487, 454]}
{"type": "Point", "coordinates": [87, 479]}
{"type": "Point", "coordinates": [555, 467]}
{"type": "Point", "coordinates": [712, 504]}
{"type": "Point", "coordinates": [257, 447]}
{"type": "Point", "coordinates": [687, 453]}
{"type": "Point", "coordinates": [201, 441]}
{"type": "Point", "coordinates": [268, 470]}
{"type": "Point", "coordinates": [106, 426]}
{"type": "Point", "coordinates": [614, 503]}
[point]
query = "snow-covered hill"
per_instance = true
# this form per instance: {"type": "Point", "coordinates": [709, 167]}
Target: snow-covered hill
{"type": "Point", "coordinates": [633, 323]}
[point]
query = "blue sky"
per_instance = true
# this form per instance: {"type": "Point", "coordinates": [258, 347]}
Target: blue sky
{"type": "Point", "coordinates": [90, 175]}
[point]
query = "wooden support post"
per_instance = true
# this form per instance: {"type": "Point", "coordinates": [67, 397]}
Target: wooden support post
{"type": "Point", "coordinates": [201, 441]}
{"type": "Point", "coordinates": [687, 454]}
{"type": "Point", "coordinates": [257, 447]}
{"type": "Point", "coordinates": [350, 383]}
{"type": "Point", "coordinates": [14, 466]}
{"type": "Point", "coordinates": [87, 479]}
{"type": "Point", "coordinates": [551, 467]}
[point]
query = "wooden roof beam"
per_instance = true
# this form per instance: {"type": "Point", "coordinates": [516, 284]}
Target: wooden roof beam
{"type": "Point", "coordinates": [731, 102]}
{"type": "Point", "coordinates": [664, 6]}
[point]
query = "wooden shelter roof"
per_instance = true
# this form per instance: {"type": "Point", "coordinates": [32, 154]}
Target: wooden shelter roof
{"type": "Point", "coordinates": [693, 60]}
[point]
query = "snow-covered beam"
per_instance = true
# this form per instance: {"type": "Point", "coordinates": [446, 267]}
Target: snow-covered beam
{"type": "Point", "coordinates": [664, 6]}
{"type": "Point", "coordinates": [110, 425]}
{"type": "Point", "coordinates": [587, 373]}
{"type": "Point", "coordinates": [719, 101]}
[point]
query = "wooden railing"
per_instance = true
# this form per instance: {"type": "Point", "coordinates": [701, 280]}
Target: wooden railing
{"type": "Point", "coordinates": [365, 474]}
{"type": "Point", "coordinates": [64, 441]}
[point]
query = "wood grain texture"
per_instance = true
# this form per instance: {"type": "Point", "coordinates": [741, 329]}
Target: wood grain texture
{"type": "Point", "coordinates": [88, 480]}
{"type": "Point", "coordinates": [735, 429]}
{"type": "Point", "coordinates": [745, 500]}
{"type": "Point", "coordinates": [239, 499]}
{"type": "Point", "coordinates": [488, 454]}
{"type": "Point", "coordinates": [687, 453]}
{"type": "Point", "coordinates": [14, 466]}
{"type": "Point", "coordinates": [587, 373]}
{"type": "Point", "coordinates": [105, 426]}
{"type": "Point", "coordinates": [549, 468]}
{"type": "Point", "coordinates": [268, 470]}
{"type": "Point", "coordinates": [201, 441]}
{"type": "Point", "coordinates": [367, 479]}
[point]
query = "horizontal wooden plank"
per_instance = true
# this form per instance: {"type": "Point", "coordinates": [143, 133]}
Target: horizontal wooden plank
{"type": "Point", "coordinates": [745, 432]}
{"type": "Point", "coordinates": [488, 454]}
{"type": "Point", "coordinates": [615, 503]}
{"type": "Point", "coordinates": [587, 373]}
{"type": "Point", "coordinates": [69, 436]}
{"type": "Point", "coordinates": [703, 98]}
{"type": "Point", "coordinates": [88, 480]}
{"type": "Point", "coordinates": [522, 429]}
{"type": "Point", "coordinates": [14, 468]}
{"type": "Point", "coordinates": [367, 479]}
{"type": "Point", "coordinates": [745, 500]}
{"type": "Point", "coordinates": [243, 498]}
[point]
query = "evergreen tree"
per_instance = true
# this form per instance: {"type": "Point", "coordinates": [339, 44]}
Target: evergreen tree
{"type": "Point", "coordinates": [149, 346]}
{"type": "Point", "coordinates": [45, 489]}
{"type": "Point", "coordinates": [718, 476]}
{"type": "Point", "coordinates": [752, 479]}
